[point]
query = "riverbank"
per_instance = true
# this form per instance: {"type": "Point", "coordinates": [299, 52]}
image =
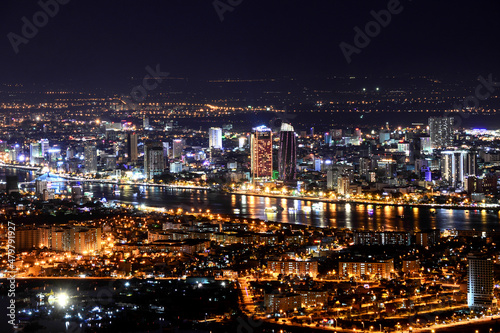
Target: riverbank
{"type": "Point", "coordinates": [494, 207]}
{"type": "Point", "coordinates": [103, 181]}
{"type": "Point", "coordinates": [361, 202]}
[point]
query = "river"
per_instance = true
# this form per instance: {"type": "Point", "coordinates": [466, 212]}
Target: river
{"type": "Point", "coordinates": [322, 214]}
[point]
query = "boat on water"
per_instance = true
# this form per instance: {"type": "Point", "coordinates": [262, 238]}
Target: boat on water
{"type": "Point", "coordinates": [316, 206]}
{"type": "Point", "coordinates": [273, 209]}
{"type": "Point", "coordinates": [137, 193]}
{"type": "Point", "coordinates": [19, 327]}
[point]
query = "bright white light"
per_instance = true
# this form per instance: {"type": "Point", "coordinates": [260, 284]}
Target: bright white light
{"type": "Point", "coordinates": [62, 299]}
{"type": "Point", "coordinates": [127, 284]}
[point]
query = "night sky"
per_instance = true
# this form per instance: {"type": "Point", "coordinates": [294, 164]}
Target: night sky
{"type": "Point", "coordinates": [104, 42]}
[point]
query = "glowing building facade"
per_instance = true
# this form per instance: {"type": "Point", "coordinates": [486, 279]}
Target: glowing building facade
{"type": "Point", "coordinates": [262, 152]}
{"type": "Point", "coordinates": [480, 281]}
{"type": "Point", "coordinates": [441, 131]}
{"type": "Point", "coordinates": [215, 138]}
{"type": "Point", "coordinates": [287, 156]}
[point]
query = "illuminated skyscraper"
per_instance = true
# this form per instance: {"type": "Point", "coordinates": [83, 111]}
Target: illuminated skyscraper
{"type": "Point", "coordinates": [480, 281]}
{"type": "Point", "coordinates": [166, 149]}
{"type": "Point", "coordinates": [90, 154]}
{"type": "Point", "coordinates": [215, 138]}
{"type": "Point", "coordinates": [35, 153]}
{"type": "Point", "coordinates": [441, 131]}
{"type": "Point", "coordinates": [45, 147]}
{"type": "Point", "coordinates": [456, 165]}
{"type": "Point", "coordinates": [177, 147]}
{"type": "Point", "coordinates": [287, 156]}
{"type": "Point", "coordinates": [154, 161]}
{"type": "Point", "coordinates": [262, 152]}
{"type": "Point", "coordinates": [132, 147]}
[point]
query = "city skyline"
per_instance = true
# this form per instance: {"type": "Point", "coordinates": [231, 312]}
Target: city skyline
{"type": "Point", "coordinates": [249, 166]}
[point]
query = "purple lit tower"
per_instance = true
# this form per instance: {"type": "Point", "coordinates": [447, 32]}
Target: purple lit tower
{"type": "Point", "coordinates": [287, 157]}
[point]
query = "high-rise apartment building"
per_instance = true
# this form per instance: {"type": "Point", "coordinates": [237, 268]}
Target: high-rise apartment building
{"type": "Point", "coordinates": [287, 156]}
{"type": "Point", "coordinates": [90, 153]}
{"type": "Point", "coordinates": [86, 240]}
{"type": "Point", "coordinates": [215, 138]}
{"type": "Point", "coordinates": [27, 238]}
{"type": "Point", "coordinates": [480, 281]}
{"type": "Point", "coordinates": [262, 152]}
{"type": "Point", "coordinates": [441, 131]}
{"type": "Point", "coordinates": [456, 165]}
{"type": "Point", "coordinates": [45, 146]}
{"type": "Point", "coordinates": [287, 267]}
{"type": "Point", "coordinates": [365, 166]}
{"type": "Point", "coordinates": [177, 147]}
{"type": "Point", "coordinates": [380, 269]}
{"type": "Point", "coordinates": [154, 161]}
{"type": "Point", "coordinates": [368, 238]}
{"type": "Point", "coordinates": [132, 147]}
{"type": "Point", "coordinates": [166, 149]}
{"type": "Point", "coordinates": [35, 153]}
{"type": "Point", "coordinates": [343, 183]}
